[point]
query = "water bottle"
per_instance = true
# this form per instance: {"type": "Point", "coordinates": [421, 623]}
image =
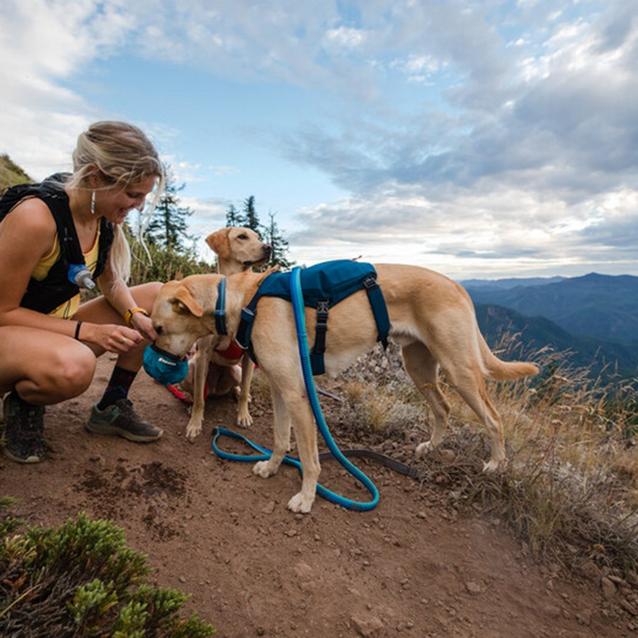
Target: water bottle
{"type": "Point", "coordinates": [80, 275]}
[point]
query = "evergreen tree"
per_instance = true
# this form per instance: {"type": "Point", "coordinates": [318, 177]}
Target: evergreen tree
{"type": "Point", "coordinates": [168, 228]}
{"type": "Point", "coordinates": [278, 243]}
{"type": "Point", "coordinates": [251, 218]}
{"type": "Point", "coordinates": [234, 217]}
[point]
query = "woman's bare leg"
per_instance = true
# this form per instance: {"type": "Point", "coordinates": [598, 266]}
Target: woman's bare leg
{"type": "Point", "coordinates": [37, 368]}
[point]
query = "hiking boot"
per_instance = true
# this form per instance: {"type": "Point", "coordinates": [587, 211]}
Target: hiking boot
{"type": "Point", "coordinates": [23, 430]}
{"type": "Point", "coordinates": [120, 419]}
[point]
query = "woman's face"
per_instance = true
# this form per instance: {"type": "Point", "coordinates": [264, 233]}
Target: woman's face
{"type": "Point", "coordinates": [116, 202]}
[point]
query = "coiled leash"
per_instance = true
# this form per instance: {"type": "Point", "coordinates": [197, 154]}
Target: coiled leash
{"type": "Point", "coordinates": [264, 453]}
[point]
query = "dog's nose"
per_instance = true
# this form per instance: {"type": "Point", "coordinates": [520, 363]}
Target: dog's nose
{"type": "Point", "coordinates": [267, 250]}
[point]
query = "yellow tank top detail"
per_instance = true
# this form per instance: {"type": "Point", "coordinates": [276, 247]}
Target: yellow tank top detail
{"type": "Point", "coordinates": [67, 309]}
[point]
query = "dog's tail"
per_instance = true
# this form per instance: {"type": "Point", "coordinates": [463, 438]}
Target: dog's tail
{"type": "Point", "coordinates": [503, 370]}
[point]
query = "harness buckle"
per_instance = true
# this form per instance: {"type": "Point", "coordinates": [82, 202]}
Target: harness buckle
{"type": "Point", "coordinates": [370, 282]}
{"type": "Point", "coordinates": [322, 312]}
{"type": "Point", "coordinates": [247, 314]}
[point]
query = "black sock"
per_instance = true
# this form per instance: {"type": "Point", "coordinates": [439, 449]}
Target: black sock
{"type": "Point", "coordinates": [21, 401]}
{"type": "Point", "coordinates": [118, 387]}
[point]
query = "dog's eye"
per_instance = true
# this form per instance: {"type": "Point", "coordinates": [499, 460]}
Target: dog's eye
{"type": "Point", "coordinates": [242, 236]}
{"type": "Point", "coordinates": [158, 329]}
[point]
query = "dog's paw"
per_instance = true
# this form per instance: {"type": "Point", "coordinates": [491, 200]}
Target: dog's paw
{"type": "Point", "coordinates": [193, 431]}
{"type": "Point", "coordinates": [493, 466]}
{"type": "Point", "coordinates": [244, 420]}
{"type": "Point", "coordinates": [423, 448]}
{"type": "Point", "coordinates": [264, 469]}
{"type": "Point", "coordinates": [301, 504]}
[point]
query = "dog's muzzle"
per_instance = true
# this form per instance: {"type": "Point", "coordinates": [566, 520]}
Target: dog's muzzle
{"type": "Point", "coordinates": [163, 366]}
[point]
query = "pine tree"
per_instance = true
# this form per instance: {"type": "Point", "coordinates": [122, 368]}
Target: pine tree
{"type": "Point", "coordinates": [234, 217]}
{"type": "Point", "coordinates": [251, 218]}
{"type": "Point", "coordinates": [168, 228]}
{"type": "Point", "coordinates": [278, 243]}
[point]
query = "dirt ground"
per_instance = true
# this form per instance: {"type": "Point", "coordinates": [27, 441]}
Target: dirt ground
{"type": "Point", "coordinates": [412, 567]}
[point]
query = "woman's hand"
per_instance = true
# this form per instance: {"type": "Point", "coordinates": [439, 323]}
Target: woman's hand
{"type": "Point", "coordinates": [144, 326]}
{"type": "Point", "coordinates": [111, 337]}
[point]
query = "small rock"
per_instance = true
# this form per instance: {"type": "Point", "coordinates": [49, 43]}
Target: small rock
{"type": "Point", "coordinates": [628, 607]}
{"type": "Point", "coordinates": [552, 611]}
{"type": "Point", "coordinates": [608, 587]}
{"type": "Point", "coordinates": [584, 618]}
{"type": "Point", "coordinates": [303, 570]}
{"type": "Point", "coordinates": [473, 588]}
{"type": "Point", "coordinates": [368, 626]}
{"type": "Point", "coordinates": [269, 508]}
{"type": "Point", "coordinates": [182, 579]}
{"type": "Point", "coordinates": [290, 532]}
{"type": "Point", "coordinates": [590, 570]}
{"type": "Point", "coordinates": [421, 514]}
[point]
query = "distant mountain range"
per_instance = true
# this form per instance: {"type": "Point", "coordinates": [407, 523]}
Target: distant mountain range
{"type": "Point", "coordinates": [603, 307]}
{"type": "Point", "coordinates": [503, 284]}
{"type": "Point", "coordinates": [595, 317]}
{"type": "Point", "coordinates": [537, 332]}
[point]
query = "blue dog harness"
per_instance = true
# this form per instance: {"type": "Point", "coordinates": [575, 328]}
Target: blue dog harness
{"type": "Point", "coordinates": [323, 286]}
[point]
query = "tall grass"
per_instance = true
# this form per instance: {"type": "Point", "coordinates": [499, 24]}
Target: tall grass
{"type": "Point", "coordinates": [570, 487]}
{"type": "Point", "coordinates": [160, 264]}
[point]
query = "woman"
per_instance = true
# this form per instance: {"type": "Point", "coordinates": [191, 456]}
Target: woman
{"type": "Point", "coordinates": [48, 342]}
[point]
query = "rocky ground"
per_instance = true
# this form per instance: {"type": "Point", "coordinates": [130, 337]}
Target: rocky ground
{"type": "Point", "coordinates": [415, 566]}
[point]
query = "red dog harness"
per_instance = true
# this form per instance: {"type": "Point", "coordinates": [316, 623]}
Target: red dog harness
{"type": "Point", "coordinates": [234, 352]}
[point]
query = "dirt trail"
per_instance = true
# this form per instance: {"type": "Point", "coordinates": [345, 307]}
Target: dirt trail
{"type": "Point", "coordinates": [412, 567]}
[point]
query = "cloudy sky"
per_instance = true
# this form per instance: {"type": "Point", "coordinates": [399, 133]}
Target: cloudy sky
{"type": "Point", "coordinates": [480, 138]}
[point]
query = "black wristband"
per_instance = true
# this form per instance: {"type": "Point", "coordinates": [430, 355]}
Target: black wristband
{"type": "Point", "coordinates": [77, 330]}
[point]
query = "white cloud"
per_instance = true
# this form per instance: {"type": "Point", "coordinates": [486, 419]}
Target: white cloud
{"type": "Point", "coordinates": [345, 37]}
{"type": "Point", "coordinates": [488, 230]}
{"type": "Point", "coordinates": [41, 45]}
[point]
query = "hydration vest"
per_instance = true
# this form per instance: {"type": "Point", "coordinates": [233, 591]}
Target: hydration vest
{"type": "Point", "coordinates": [323, 285]}
{"type": "Point", "coordinates": [56, 288]}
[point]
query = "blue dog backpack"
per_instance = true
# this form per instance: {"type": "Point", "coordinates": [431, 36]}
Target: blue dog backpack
{"type": "Point", "coordinates": [323, 286]}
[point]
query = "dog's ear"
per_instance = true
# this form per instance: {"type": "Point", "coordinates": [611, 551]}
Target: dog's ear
{"type": "Point", "coordinates": [218, 242]}
{"type": "Point", "coordinates": [186, 303]}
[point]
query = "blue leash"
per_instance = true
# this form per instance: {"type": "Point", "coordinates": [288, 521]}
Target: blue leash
{"type": "Point", "coordinates": [264, 453]}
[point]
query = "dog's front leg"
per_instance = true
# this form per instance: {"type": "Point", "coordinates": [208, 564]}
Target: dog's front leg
{"type": "Point", "coordinates": [306, 435]}
{"type": "Point", "coordinates": [243, 414]}
{"type": "Point", "coordinates": [200, 372]}
{"type": "Point", "coordinates": [281, 427]}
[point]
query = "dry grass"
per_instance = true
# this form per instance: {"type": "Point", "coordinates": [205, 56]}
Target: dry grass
{"type": "Point", "coordinates": [570, 488]}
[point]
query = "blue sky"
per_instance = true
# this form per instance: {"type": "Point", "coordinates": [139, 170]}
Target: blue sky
{"type": "Point", "coordinates": [482, 139]}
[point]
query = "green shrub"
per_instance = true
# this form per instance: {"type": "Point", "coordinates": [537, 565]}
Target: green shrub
{"type": "Point", "coordinates": [163, 264]}
{"type": "Point", "coordinates": [81, 579]}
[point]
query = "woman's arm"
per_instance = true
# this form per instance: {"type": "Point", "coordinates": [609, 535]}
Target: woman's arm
{"type": "Point", "coordinates": [118, 294]}
{"type": "Point", "coordinates": [26, 235]}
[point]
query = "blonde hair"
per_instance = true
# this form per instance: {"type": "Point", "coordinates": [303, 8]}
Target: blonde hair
{"type": "Point", "coordinates": [122, 154]}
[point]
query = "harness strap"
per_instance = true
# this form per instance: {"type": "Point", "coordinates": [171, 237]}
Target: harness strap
{"type": "Point", "coordinates": [379, 309]}
{"type": "Point", "coordinates": [319, 348]}
{"type": "Point", "coordinates": [220, 308]}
